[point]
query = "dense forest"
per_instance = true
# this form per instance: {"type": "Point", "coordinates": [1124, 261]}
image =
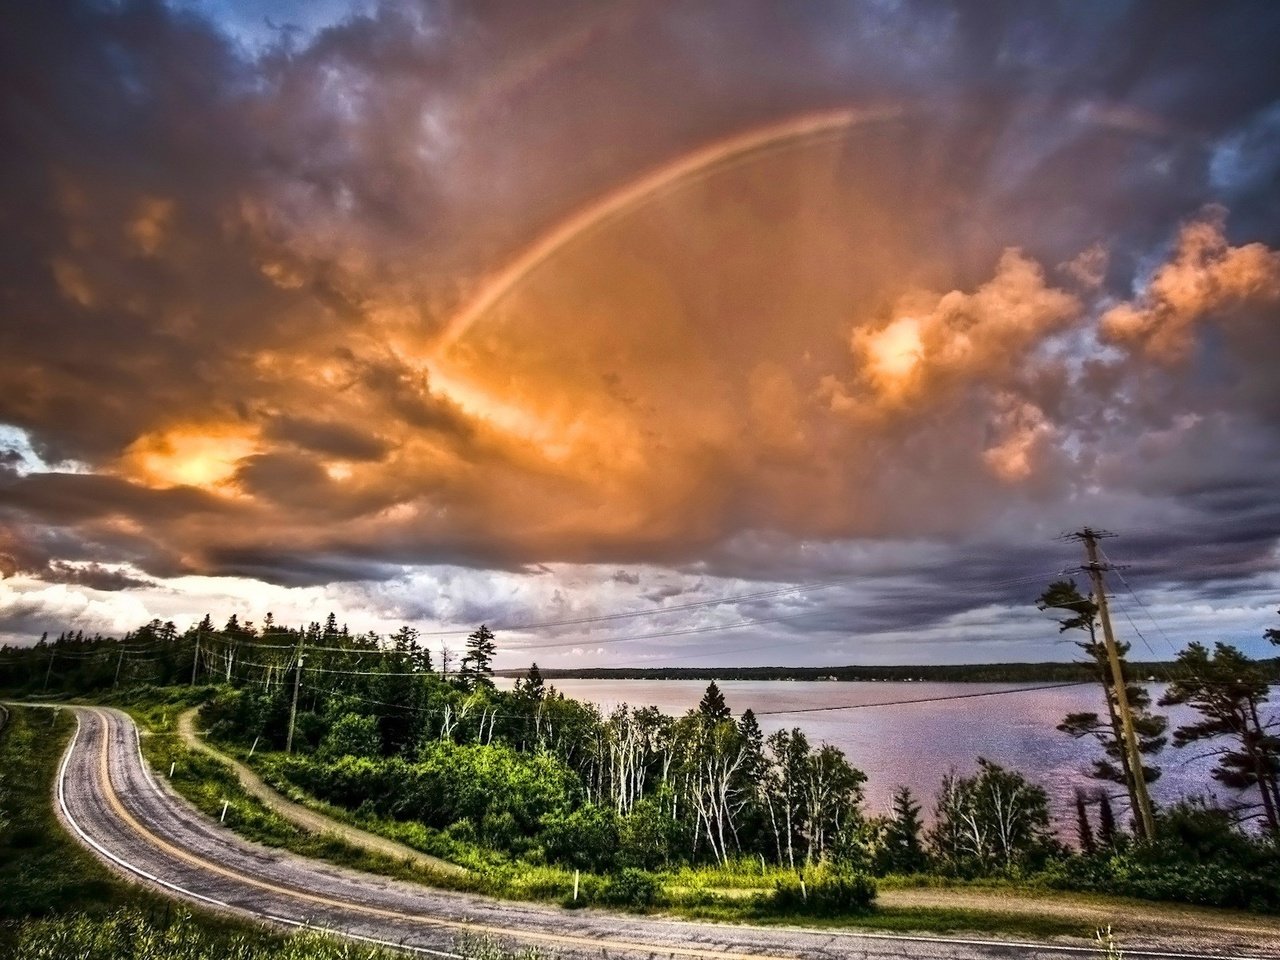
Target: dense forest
{"type": "Point", "coordinates": [375, 726]}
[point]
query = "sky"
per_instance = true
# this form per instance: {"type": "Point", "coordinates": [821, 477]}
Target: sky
{"type": "Point", "coordinates": [699, 333]}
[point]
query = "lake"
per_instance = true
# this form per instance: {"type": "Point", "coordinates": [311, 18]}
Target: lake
{"type": "Point", "coordinates": [915, 744]}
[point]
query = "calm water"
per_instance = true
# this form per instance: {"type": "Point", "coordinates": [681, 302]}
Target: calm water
{"type": "Point", "coordinates": [915, 744]}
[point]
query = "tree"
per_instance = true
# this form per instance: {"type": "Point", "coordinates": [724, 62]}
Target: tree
{"type": "Point", "coordinates": [1227, 689]}
{"type": "Point", "coordinates": [476, 668]}
{"type": "Point", "coordinates": [712, 708]}
{"type": "Point", "coordinates": [1273, 634]}
{"type": "Point", "coordinates": [1082, 614]}
{"type": "Point", "coordinates": [1106, 821]}
{"type": "Point", "coordinates": [532, 687]}
{"type": "Point", "coordinates": [1084, 829]}
{"type": "Point", "coordinates": [352, 734]}
{"type": "Point", "coordinates": [901, 849]}
{"type": "Point", "coordinates": [992, 821]}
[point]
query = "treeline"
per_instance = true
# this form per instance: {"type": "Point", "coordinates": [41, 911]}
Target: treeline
{"type": "Point", "coordinates": [530, 776]}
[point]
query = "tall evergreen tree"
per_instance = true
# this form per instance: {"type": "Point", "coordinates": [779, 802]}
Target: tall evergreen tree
{"type": "Point", "coordinates": [1084, 829]}
{"type": "Point", "coordinates": [1227, 689]}
{"type": "Point", "coordinates": [532, 687]}
{"type": "Point", "coordinates": [1106, 820]}
{"type": "Point", "coordinates": [476, 668]}
{"type": "Point", "coordinates": [903, 850]}
{"type": "Point", "coordinates": [713, 708]}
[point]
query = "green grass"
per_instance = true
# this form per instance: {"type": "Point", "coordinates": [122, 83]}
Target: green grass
{"type": "Point", "coordinates": [59, 902]}
{"type": "Point", "coordinates": [208, 784]}
{"type": "Point", "coordinates": [736, 892]}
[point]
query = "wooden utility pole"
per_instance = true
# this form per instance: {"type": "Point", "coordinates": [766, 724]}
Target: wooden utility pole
{"type": "Point", "coordinates": [1143, 815]}
{"type": "Point", "coordinates": [119, 660]}
{"type": "Point", "coordinates": [195, 659]}
{"type": "Point", "coordinates": [293, 710]}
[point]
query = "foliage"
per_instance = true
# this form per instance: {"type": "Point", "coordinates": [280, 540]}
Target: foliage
{"type": "Point", "coordinates": [632, 888]}
{"type": "Point", "coordinates": [901, 849]}
{"type": "Point", "coordinates": [586, 838]}
{"type": "Point", "coordinates": [503, 794]}
{"type": "Point", "coordinates": [476, 668]}
{"type": "Point", "coordinates": [352, 735]}
{"type": "Point", "coordinates": [993, 821]}
{"type": "Point", "coordinates": [1227, 689]}
{"type": "Point", "coordinates": [825, 895]}
{"type": "Point", "coordinates": [1081, 613]}
{"type": "Point", "coordinates": [712, 708]}
{"type": "Point", "coordinates": [1199, 856]}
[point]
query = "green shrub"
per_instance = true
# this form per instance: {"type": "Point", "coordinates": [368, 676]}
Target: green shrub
{"type": "Point", "coordinates": [632, 888]}
{"type": "Point", "coordinates": [586, 838]}
{"type": "Point", "coordinates": [832, 894]}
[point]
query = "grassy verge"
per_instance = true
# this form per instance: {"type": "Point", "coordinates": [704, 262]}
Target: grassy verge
{"type": "Point", "coordinates": [738, 893]}
{"type": "Point", "coordinates": [60, 902]}
{"type": "Point", "coordinates": [209, 785]}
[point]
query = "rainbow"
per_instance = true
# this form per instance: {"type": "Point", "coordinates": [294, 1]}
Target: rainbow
{"type": "Point", "coordinates": [706, 160]}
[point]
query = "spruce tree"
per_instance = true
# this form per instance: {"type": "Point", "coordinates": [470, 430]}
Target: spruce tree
{"type": "Point", "coordinates": [1084, 830]}
{"type": "Point", "coordinates": [476, 667]}
{"type": "Point", "coordinates": [533, 686]}
{"type": "Point", "coordinates": [713, 709]}
{"type": "Point", "coordinates": [903, 850]}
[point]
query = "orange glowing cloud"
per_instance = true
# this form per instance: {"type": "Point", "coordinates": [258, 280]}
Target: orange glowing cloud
{"type": "Point", "coordinates": [195, 456]}
{"type": "Point", "coordinates": [930, 341]}
{"type": "Point", "coordinates": [1205, 276]}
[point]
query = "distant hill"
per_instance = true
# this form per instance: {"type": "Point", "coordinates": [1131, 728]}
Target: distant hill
{"type": "Point", "coordinates": [1052, 672]}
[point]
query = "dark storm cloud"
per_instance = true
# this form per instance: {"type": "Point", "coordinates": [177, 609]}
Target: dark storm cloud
{"type": "Point", "coordinates": [95, 576]}
{"type": "Point", "coordinates": [224, 265]}
{"type": "Point", "coordinates": [339, 440]}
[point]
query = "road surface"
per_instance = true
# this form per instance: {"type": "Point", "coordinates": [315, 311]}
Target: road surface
{"type": "Point", "coordinates": [108, 798]}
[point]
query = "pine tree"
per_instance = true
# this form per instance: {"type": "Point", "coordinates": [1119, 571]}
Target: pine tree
{"type": "Point", "coordinates": [532, 686]}
{"type": "Point", "coordinates": [903, 850]}
{"type": "Point", "coordinates": [712, 708]}
{"type": "Point", "coordinates": [476, 667]}
{"type": "Point", "coordinates": [1084, 830]}
{"type": "Point", "coordinates": [1063, 595]}
{"type": "Point", "coordinates": [1228, 689]}
{"type": "Point", "coordinates": [1106, 820]}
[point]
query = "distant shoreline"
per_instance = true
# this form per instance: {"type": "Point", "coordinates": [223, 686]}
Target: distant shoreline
{"type": "Point", "coordinates": [1050, 672]}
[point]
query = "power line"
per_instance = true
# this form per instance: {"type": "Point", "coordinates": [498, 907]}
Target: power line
{"type": "Point", "coordinates": [898, 703]}
{"type": "Point", "coordinates": [1140, 603]}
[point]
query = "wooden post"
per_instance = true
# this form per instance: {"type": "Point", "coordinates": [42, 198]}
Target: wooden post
{"type": "Point", "coordinates": [1144, 817]}
{"type": "Point", "coordinates": [293, 709]}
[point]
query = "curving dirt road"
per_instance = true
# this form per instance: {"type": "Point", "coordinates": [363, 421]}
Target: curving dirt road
{"type": "Point", "coordinates": [108, 798]}
{"type": "Point", "coordinates": [301, 816]}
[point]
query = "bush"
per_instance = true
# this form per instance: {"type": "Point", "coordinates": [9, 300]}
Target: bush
{"type": "Point", "coordinates": [1199, 857]}
{"type": "Point", "coordinates": [586, 838]}
{"type": "Point", "coordinates": [834, 894]}
{"type": "Point", "coordinates": [632, 888]}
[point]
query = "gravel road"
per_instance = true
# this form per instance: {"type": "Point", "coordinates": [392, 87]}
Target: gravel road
{"type": "Point", "coordinates": [301, 816]}
{"type": "Point", "coordinates": [109, 799]}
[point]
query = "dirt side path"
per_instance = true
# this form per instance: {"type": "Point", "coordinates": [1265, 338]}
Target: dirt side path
{"type": "Point", "coordinates": [304, 817]}
{"type": "Point", "coordinates": [1126, 916]}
